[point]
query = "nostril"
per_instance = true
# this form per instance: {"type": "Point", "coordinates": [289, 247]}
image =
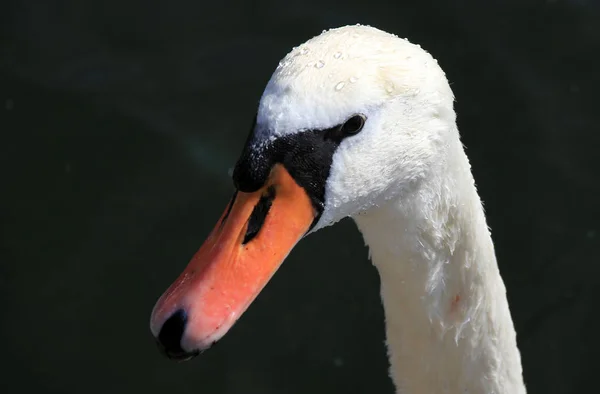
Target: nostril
{"type": "Point", "coordinates": [169, 337]}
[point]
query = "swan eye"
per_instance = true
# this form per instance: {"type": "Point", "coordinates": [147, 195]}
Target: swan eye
{"type": "Point", "coordinates": [353, 125]}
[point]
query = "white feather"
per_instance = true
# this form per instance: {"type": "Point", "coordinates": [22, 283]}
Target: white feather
{"type": "Point", "coordinates": [406, 181]}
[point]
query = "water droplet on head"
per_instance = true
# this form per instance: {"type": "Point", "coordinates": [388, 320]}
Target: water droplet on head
{"type": "Point", "coordinates": [337, 55]}
{"type": "Point", "coordinates": [340, 85]}
{"type": "Point", "coordinates": [320, 64]}
{"type": "Point", "coordinates": [389, 87]}
{"type": "Point", "coordinates": [353, 79]}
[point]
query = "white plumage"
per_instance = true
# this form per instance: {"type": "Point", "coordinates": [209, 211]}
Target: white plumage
{"type": "Point", "coordinates": [406, 181]}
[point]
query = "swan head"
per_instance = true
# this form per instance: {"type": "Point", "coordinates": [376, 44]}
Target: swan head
{"type": "Point", "coordinates": [398, 90]}
{"type": "Point", "coordinates": [349, 119]}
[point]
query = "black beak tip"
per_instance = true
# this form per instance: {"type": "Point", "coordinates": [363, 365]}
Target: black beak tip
{"type": "Point", "coordinates": [169, 337]}
{"type": "Point", "coordinates": [178, 356]}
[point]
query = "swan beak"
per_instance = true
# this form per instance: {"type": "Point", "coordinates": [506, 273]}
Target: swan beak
{"type": "Point", "coordinates": [250, 241]}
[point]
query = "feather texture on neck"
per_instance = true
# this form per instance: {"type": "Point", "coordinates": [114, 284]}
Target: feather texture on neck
{"type": "Point", "coordinates": [448, 324]}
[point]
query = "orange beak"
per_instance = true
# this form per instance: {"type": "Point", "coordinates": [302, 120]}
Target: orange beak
{"type": "Point", "coordinates": [252, 238]}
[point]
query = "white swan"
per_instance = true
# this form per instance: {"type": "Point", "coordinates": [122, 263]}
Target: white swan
{"type": "Point", "coordinates": [357, 122]}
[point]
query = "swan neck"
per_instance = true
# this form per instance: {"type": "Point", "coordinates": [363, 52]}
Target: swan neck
{"type": "Point", "coordinates": [448, 325]}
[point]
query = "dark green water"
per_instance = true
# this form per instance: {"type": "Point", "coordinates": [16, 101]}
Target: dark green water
{"type": "Point", "coordinates": [119, 121]}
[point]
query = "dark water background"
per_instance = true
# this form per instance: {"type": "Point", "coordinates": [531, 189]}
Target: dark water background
{"type": "Point", "coordinates": [120, 119]}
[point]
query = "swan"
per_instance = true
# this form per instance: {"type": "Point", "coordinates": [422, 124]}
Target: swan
{"type": "Point", "coordinates": [359, 123]}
